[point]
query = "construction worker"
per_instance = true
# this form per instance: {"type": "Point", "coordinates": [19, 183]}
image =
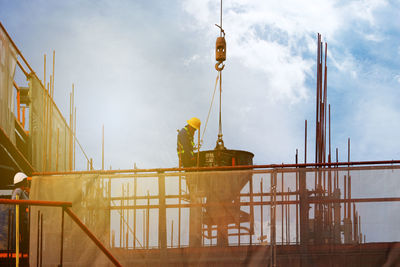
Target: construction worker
{"type": "Point", "coordinates": [185, 143]}
{"type": "Point", "coordinates": [21, 189]}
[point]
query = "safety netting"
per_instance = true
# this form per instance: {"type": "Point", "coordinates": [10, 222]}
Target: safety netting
{"type": "Point", "coordinates": [8, 59]}
{"type": "Point", "coordinates": [51, 137]}
{"type": "Point", "coordinates": [288, 217]}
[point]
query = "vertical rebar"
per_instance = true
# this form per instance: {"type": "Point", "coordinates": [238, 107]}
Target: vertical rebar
{"type": "Point", "coordinates": [262, 212]}
{"type": "Point", "coordinates": [271, 228]}
{"type": "Point", "coordinates": [274, 244]}
{"type": "Point", "coordinates": [359, 230]}
{"type": "Point", "coordinates": [337, 173]}
{"type": "Point", "coordinates": [345, 196]}
{"type": "Point", "coordinates": [297, 198]}
{"type": "Point", "coordinates": [74, 155]}
{"type": "Point", "coordinates": [162, 213]}
{"type": "Point", "coordinates": [120, 217]}
{"type": "Point", "coordinates": [305, 142]}
{"type": "Point", "coordinates": [58, 136]}
{"type": "Point", "coordinates": [288, 207]}
{"type": "Point", "coordinates": [286, 220]}
{"type": "Point", "coordinates": [127, 219]}
{"type": "Point", "coordinates": [102, 148]}
{"type": "Point", "coordinates": [349, 179]}
{"type": "Point", "coordinates": [54, 64]}
{"type": "Point", "coordinates": [179, 211]}
{"type": "Point", "coordinates": [355, 224]}
{"type": "Point", "coordinates": [317, 102]}
{"type": "Point", "coordinates": [172, 234]}
{"type": "Point", "coordinates": [50, 114]}
{"type": "Point", "coordinates": [134, 214]}
{"type": "Point", "coordinates": [109, 205]}
{"type": "Point", "coordinates": [349, 196]}
{"type": "Point", "coordinates": [148, 220]}
{"type": "Point", "coordinates": [44, 70]}
{"type": "Point", "coordinates": [239, 234]}
{"type": "Point", "coordinates": [282, 214]}
{"type": "Point", "coordinates": [144, 228]}
{"type": "Point", "coordinates": [251, 211]}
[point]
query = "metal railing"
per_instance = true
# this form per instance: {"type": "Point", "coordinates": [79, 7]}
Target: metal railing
{"type": "Point", "coordinates": [65, 208]}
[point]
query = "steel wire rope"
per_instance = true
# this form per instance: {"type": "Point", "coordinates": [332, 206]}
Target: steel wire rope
{"type": "Point", "coordinates": [209, 110]}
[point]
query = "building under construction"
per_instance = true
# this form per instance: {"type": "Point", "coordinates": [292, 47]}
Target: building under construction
{"type": "Point", "coordinates": [224, 212]}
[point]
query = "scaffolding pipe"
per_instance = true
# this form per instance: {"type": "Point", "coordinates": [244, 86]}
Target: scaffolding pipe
{"type": "Point", "coordinates": [220, 168]}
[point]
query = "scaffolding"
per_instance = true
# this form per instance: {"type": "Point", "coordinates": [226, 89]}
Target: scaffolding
{"type": "Point", "coordinates": [148, 211]}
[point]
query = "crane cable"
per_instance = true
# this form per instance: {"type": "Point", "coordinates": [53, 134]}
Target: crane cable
{"type": "Point", "coordinates": [209, 111]}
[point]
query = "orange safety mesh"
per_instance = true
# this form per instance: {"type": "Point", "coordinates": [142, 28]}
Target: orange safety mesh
{"type": "Point", "coordinates": [225, 218]}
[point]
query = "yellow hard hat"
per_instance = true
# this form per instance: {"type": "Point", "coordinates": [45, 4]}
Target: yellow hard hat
{"type": "Point", "coordinates": [194, 122]}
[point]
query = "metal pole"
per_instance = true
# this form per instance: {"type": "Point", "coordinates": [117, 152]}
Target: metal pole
{"type": "Point", "coordinates": [127, 219]}
{"type": "Point", "coordinates": [274, 244]}
{"type": "Point", "coordinates": [317, 102]}
{"type": "Point", "coordinates": [172, 234]}
{"type": "Point", "coordinates": [297, 205]}
{"type": "Point", "coordinates": [102, 149]}
{"type": "Point", "coordinates": [44, 70]}
{"type": "Point", "coordinates": [162, 213]}
{"type": "Point", "coordinates": [17, 233]}
{"type": "Point", "coordinates": [144, 228]}
{"type": "Point", "coordinates": [345, 196]}
{"type": "Point", "coordinates": [41, 240]}
{"type": "Point", "coordinates": [74, 138]}
{"type": "Point", "coordinates": [179, 211]}
{"type": "Point", "coordinates": [120, 217]}
{"type": "Point", "coordinates": [58, 136]}
{"type": "Point", "coordinates": [262, 213]}
{"type": "Point", "coordinates": [282, 214]}
{"type": "Point", "coordinates": [305, 142]}
{"type": "Point", "coordinates": [9, 235]}
{"type": "Point", "coordinates": [148, 220]}
{"type": "Point", "coordinates": [62, 237]}
{"type": "Point", "coordinates": [54, 63]}
{"type": "Point", "coordinates": [251, 211]}
{"type": "Point", "coordinates": [38, 240]}
{"type": "Point", "coordinates": [349, 179]}
{"type": "Point", "coordinates": [134, 212]}
{"type": "Point", "coordinates": [288, 207]}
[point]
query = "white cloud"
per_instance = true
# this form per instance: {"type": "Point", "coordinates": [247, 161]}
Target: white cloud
{"type": "Point", "coordinates": [397, 77]}
{"type": "Point", "coordinates": [273, 37]}
{"type": "Point", "coordinates": [190, 60]}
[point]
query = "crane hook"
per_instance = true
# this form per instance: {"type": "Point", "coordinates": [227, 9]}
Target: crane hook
{"type": "Point", "coordinates": [217, 66]}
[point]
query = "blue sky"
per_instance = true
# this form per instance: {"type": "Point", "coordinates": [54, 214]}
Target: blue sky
{"type": "Point", "coordinates": [142, 68]}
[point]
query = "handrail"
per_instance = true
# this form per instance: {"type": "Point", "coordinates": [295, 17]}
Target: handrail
{"type": "Point", "coordinates": [36, 203]}
{"type": "Point", "coordinates": [223, 168]}
{"type": "Point", "coordinates": [66, 207]}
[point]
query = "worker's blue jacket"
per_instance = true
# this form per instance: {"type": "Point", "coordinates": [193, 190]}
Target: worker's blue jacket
{"type": "Point", "coordinates": [185, 147]}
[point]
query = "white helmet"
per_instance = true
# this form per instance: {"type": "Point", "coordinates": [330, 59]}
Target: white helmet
{"type": "Point", "coordinates": [19, 177]}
